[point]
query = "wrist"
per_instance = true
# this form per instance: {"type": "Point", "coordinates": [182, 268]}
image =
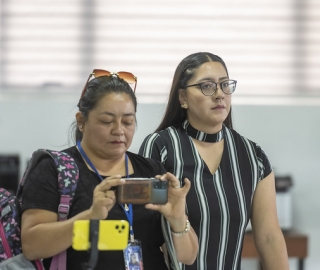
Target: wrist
{"type": "Point", "coordinates": [186, 230]}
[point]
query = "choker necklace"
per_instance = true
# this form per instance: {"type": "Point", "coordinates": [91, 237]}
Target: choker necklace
{"type": "Point", "coordinates": [202, 136]}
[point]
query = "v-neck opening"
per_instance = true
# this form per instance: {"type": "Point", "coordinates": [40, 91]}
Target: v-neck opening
{"type": "Point", "coordinates": [205, 165]}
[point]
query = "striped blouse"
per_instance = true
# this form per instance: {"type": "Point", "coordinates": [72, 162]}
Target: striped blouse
{"type": "Point", "coordinates": [218, 205]}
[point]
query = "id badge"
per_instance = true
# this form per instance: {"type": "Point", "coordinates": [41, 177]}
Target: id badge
{"type": "Point", "coordinates": [133, 256]}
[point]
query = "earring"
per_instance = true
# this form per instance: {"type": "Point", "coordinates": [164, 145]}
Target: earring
{"type": "Point", "coordinates": [184, 106]}
{"type": "Point", "coordinates": [80, 127]}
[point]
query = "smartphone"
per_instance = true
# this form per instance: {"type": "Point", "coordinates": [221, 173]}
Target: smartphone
{"type": "Point", "coordinates": [143, 191]}
{"type": "Point", "coordinates": [112, 235]}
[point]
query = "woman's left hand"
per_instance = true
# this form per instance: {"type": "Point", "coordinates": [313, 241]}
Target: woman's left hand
{"type": "Point", "coordinates": [175, 208]}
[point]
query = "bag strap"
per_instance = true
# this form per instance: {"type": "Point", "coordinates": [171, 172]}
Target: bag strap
{"type": "Point", "coordinates": [68, 176]}
{"type": "Point", "coordinates": [173, 263]}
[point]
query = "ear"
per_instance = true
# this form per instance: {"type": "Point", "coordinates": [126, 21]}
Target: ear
{"type": "Point", "coordinates": [80, 120]}
{"type": "Point", "coordinates": [183, 98]}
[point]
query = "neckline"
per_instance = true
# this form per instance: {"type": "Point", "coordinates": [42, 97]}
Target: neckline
{"type": "Point", "coordinates": [88, 161]}
{"type": "Point", "coordinates": [202, 136]}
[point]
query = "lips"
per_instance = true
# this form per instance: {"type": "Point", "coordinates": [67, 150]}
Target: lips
{"type": "Point", "coordinates": [219, 107]}
{"type": "Point", "coordinates": [117, 142]}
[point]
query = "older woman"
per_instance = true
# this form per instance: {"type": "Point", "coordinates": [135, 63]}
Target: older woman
{"type": "Point", "coordinates": [105, 123]}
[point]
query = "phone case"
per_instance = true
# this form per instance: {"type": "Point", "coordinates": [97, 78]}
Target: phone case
{"type": "Point", "coordinates": [113, 235]}
{"type": "Point", "coordinates": [142, 191]}
{"type": "Point", "coordinates": [135, 191]}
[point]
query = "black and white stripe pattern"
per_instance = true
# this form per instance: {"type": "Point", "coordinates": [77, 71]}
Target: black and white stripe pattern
{"type": "Point", "coordinates": [202, 136]}
{"type": "Point", "coordinates": [218, 205]}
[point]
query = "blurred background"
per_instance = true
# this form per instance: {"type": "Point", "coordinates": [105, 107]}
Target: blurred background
{"type": "Point", "coordinates": [271, 47]}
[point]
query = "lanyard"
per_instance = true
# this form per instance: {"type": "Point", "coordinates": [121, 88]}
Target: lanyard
{"type": "Point", "coordinates": [127, 208]}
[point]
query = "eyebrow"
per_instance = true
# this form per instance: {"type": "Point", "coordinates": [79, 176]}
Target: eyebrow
{"type": "Point", "coordinates": [210, 79]}
{"type": "Point", "coordinates": [112, 114]}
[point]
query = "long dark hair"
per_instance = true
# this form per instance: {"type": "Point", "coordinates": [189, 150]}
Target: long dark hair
{"type": "Point", "coordinates": [174, 114]}
{"type": "Point", "coordinates": [96, 89]}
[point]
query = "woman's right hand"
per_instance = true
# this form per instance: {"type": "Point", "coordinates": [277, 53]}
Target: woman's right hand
{"type": "Point", "coordinates": [104, 197]}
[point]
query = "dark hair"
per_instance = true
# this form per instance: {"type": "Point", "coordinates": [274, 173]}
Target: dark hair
{"type": "Point", "coordinates": [174, 114]}
{"type": "Point", "coordinates": [96, 89]}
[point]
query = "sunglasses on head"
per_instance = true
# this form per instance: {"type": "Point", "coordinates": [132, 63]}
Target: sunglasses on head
{"type": "Point", "coordinates": [127, 76]}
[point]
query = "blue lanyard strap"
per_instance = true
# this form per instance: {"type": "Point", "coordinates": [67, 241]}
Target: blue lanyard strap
{"type": "Point", "coordinates": [129, 213]}
{"type": "Point", "coordinates": [127, 208]}
{"type": "Point", "coordinates": [84, 155]}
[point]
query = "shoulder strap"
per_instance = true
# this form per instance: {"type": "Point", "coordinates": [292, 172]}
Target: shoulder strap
{"type": "Point", "coordinates": [173, 262]}
{"type": "Point", "coordinates": [68, 176]}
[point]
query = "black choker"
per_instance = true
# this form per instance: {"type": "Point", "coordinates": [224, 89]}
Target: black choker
{"type": "Point", "coordinates": [202, 136]}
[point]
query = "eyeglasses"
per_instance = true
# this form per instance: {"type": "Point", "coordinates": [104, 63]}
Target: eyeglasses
{"type": "Point", "coordinates": [209, 88]}
{"type": "Point", "coordinates": [127, 76]}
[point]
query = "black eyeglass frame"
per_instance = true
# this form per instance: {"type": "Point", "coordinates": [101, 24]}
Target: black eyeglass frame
{"type": "Point", "coordinates": [216, 84]}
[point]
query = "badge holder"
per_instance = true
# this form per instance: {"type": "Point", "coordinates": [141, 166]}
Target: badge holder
{"type": "Point", "coordinates": [133, 256]}
{"type": "Point", "coordinates": [133, 253]}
